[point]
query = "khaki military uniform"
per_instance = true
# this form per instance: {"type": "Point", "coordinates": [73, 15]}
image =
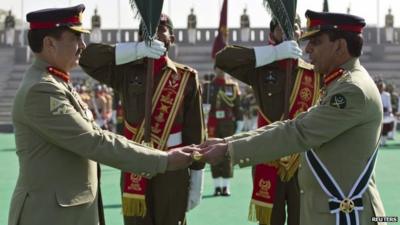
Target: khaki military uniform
{"type": "Point", "coordinates": [58, 144]}
{"type": "Point", "coordinates": [268, 83]}
{"type": "Point", "coordinates": [167, 194]}
{"type": "Point", "coordinates": [224, 100]}
{"type": "Point", "coordinates": [343, 134]}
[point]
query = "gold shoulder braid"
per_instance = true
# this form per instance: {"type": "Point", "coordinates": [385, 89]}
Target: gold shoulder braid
{"type": "Point", "coordinates": [228, 100]}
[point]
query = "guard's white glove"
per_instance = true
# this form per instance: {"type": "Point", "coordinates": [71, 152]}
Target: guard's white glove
{"type": "Point", "coordinates": [239, 126]}
{"type": "Point", "coordinates": [131, 51]}
{"type": "Point", "coordinates": [285, 50]}
{"type": "Point", "coordinates": [195, 188]}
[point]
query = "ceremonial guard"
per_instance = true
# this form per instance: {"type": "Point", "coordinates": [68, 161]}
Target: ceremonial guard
{"type": "Point", "coordinates": [389, 22]}
{"type": "Point", "coordinates": [95, 34]}
{"type": "Point", "coordinates": [9, 28]}
{"type": "Point", "coordinates": [57, 141]}
{"type": "Point", "coordinates": [177, 120]}
{"type": "Point", "coordinates": [244, 26]}
{"type": "Point", "coordinates": [267, 76]}
{"type": "Point", "coordinates": [338, 138]}
{"type": "Point", "coordinates": [388, 118]}
{"type": "Point", "coordinates": [224, 119]}
{"type": "Point", "coordinates": [191, 27]}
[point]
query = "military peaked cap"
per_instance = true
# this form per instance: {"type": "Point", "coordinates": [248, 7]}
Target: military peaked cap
{"type": "Point", "coordinates": [70, 17]}
{"type": "Point", "coordinates": [323, 21]}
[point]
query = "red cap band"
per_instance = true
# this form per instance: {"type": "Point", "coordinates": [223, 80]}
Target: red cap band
{"type": "Point", "coordinates": [357, 28]}
{"type": "Point", "coordinates": [53, 24]}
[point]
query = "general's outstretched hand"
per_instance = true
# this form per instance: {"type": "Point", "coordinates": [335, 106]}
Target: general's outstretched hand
{"type": "Point", "coordinates": [179, 158]}
{"type": "Point", "coordinates": [214, 153]}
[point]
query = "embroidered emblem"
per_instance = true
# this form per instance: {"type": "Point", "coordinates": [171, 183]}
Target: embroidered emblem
{"type": "Point", "coordinates": [135, 182]}
{"type": "Point", "coordinates": [264, 185]}
{"type": "Point", "coordinates": [338, 101]}
{"type": "Point", "coordinates": [271, 78]}
{"type": "Point", "coordinates": [305, 94]}
{"type": "Point", "coordinates": [57, 107]}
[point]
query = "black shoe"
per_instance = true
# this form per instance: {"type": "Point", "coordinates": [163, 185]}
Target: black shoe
{"type": "Point", "coordinates": [225, 192]}
{"type": "Point", "coordinates": [217, 191]}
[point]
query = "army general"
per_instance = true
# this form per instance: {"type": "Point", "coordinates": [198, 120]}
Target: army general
{"type": "Point", "coordinates": [337, 138]}
{"type": "Point", "coordinates": [58, 143]}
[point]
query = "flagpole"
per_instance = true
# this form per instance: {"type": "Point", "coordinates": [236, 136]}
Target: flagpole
{"type": "Point", "coordinates": [378, 33]}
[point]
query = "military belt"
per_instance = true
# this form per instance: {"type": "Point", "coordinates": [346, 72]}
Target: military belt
{"type": "Point", "coordinates": [346, 208]}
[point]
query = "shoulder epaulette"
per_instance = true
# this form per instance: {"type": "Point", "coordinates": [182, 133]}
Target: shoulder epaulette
{"type": "Point", "coordinates": [186, 68]}
{"type": "Point", "coordinates": [48, 77]}
{"type": "Point", "coordinates": [305, 65]}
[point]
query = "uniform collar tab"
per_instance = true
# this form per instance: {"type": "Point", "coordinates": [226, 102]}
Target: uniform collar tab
{"type": "Point", "coordinates": [329, 78]}
{"type": "Point", "coordinates": [170, 64]}
{"type": "Point", "coordinates": [58, 73]}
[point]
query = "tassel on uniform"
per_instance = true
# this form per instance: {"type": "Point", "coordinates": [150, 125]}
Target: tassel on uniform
{"type": "Point", "coordinates": [259, 213]}
{"type": "Point", "coordinates": [286, 173]}
{"type": "Point", "coordinates": [133, 206]}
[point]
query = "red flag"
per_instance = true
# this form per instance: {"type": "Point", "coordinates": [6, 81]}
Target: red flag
{"type": "Point", "coordinates": [222, 38]}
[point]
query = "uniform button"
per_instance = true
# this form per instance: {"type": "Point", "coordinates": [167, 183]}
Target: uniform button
{"type": "Point", "coordinates": [299, 165]}
{"type": "Point", "coordinates": [247, 160]}
{"type": "Point", "coordinates": [241, 161]}
{"type": "Point", "coordinates": [301, 191]}
{"type": "Point", "coordinates": [143, 174]}
{"type": "Point", "coordinates": [148, 174]}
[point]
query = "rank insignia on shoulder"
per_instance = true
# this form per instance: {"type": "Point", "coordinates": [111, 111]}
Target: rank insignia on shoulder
{"type": "Point", "coordinates": [338, 101]}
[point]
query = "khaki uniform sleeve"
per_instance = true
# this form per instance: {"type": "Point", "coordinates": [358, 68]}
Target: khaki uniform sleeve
{"type": "Point", "coordinates": [252, 132]}
{"type": "Point", "coordinates": [193, 123]}
{"type": "Point", "coordinates": [237, 61]}
{"type": "Point", "coordinates": [98, 61]}
{"type": "Point", "coordinates": [310, 129]}
{"type": "Point", "coordinates": [51, 114]}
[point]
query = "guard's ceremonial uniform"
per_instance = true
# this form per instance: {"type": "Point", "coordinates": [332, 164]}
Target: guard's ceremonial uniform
{"type": "Point", "coordinates": [166, 195]}
{"type": "Point", "coordinates": [223, 95]}
{"type": "Point", "coordinates": [342, 131]}
{"type": "Point", "coordinates": [268, 83]}
{"type": "Point", "coordinates": [58, 143]}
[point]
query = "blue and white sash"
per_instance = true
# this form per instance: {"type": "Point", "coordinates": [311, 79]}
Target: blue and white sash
{"type": "Point", "coordinates": [347, 207]}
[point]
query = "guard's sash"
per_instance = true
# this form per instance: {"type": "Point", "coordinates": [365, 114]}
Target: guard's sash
{"type": "Point", "coordinates": [345, 208]}
{"type": "Point", "coordinates": [164, 134]}
{"type": "Point", "coordinates": [304, 94]}
{"type": "Point", "coordinates": [222, 110]}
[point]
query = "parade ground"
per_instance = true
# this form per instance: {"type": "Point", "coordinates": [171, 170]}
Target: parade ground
{"type": "Point", "coordinates": [212, 210]}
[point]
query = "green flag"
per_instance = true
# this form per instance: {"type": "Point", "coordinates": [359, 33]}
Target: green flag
{"type": "Point", "coordinates": [284, 11]}
{"type": "Point", "coordinates": [150, 12]}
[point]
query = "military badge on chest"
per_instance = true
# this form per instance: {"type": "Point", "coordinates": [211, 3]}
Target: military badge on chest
{"type": "Point", "coordinates": [136, 81]}
{"type": "Point", "coordinates": [338, 101]}
{"type": "Point", "coordinates": [270, 79]}
{"type": "Point", "coordinates": [229, 91]}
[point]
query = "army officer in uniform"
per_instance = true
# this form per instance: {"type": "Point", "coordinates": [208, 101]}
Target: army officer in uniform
{"type": "Point", "coordinates": [337, 138]}
{"type": "Point", "coordinates": [58, 143]}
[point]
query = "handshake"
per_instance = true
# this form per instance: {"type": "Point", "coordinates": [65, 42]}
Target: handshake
{"type": "Point", "coordinates": [212, 151]}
